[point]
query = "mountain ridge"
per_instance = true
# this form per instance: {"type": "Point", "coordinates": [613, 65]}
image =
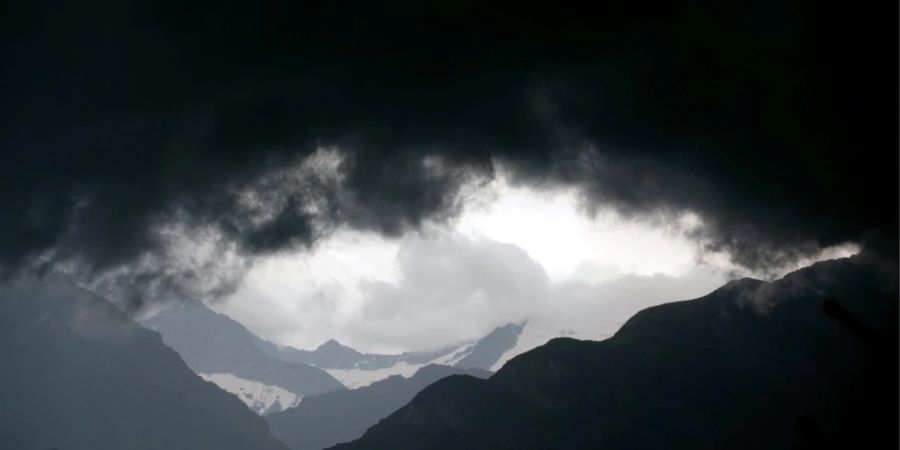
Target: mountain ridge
{"type": "Point", "coordinates": [737, 368]}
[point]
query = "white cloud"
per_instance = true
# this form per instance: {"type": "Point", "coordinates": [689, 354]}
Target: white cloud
{"type": "Point", "coordinates": [569, 243]}
{"type": "Point", "coordinates": [451, 288]}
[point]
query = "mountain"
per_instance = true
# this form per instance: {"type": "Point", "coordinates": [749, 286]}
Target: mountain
{"type": "Point", "coordinates": [79, 375]}
{"type": "Point", "coordinates": [271, 377]}
{"type": "Point", "coordinates": [332, 355]}
{"type": "Point", "coordinates": [224, 352]}
{"type": "Point", "coordinates": [808, 361]}
{"type": "Point", "coordinates": [479, 355]}
{"type": "Point", "coordinates": [327, 419]}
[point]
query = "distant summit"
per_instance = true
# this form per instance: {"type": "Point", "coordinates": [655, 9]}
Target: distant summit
{"type": "Point", "coordinates": [331, 354]}
{"type": "Point", "coordinates": [333, 344]}
{"type": "Point", "coordinates": [337, 354]}
{"type": "Point", "coordinates": [479, 355]}
{"type": "Point", "coordinates": [355, 369]}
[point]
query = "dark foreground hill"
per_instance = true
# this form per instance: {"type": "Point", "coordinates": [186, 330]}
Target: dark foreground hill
{"type": "Point", "coordinates": [78, 375]}
{"type": "Point", "coordinates": [752, 365]}
{"type": "Point", "coordinates": [323, 420]}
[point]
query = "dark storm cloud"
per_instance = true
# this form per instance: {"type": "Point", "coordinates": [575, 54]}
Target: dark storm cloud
{"type": "Point", "coordinates": [776, 121]}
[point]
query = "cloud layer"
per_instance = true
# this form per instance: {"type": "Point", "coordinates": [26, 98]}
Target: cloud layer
{"type": "Point", "coordinates": [263, 126]}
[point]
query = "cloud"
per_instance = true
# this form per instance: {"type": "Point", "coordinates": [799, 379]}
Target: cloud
{"type": "Point", "coordinates": [121, 119]}
{"type": "Point", "coordinates": [429, 290]}
{"type": "Point", "coordinates": [450, 289]}
{"type": "Point", "coordinates": [454, 288]}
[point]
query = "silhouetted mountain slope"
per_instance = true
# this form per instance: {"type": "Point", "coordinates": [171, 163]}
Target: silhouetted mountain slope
{"type": "Point", "coordinates": [327, 419]}
{"type": "Point", "coordinates": [734, 369]}
{"type": "Point", "coordinates": [460, 412]}
{"type": "Point", "coordinates": [79, 375]}
{"type": "Point", "coordinates": [212, 343]}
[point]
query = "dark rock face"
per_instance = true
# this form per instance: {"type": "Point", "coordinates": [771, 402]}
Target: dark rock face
{"type": "Point", "coordinates": [751, 365]}
{"type": "Point", "coordinates": [79, 375]}
{"type": "Point", "coordinates": [324, 420]}
{"type": "Point", "coordinates": [213, 343]}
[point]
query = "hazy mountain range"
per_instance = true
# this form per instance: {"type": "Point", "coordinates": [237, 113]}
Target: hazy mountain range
{"type": "Point", "coordinates": [269, 377]}
{"type": "Point", "coordinates": [225, 352]}
{"type": "Point", "coordinates": [332, 355]}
